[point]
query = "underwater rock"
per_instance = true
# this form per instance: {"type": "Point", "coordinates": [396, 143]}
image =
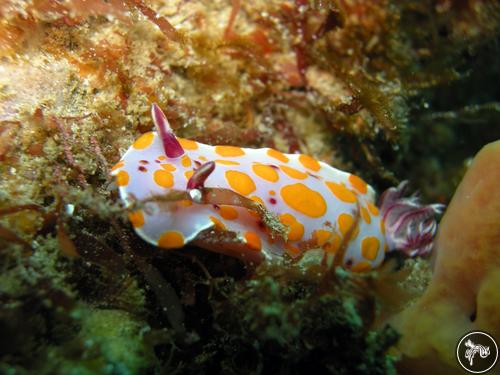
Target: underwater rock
{"type": "Point", "coordinates": [463, 295]}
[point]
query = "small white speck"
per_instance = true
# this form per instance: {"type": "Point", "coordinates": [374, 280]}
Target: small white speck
{"type": "Point", "coordinates": [195, 195]}
{"type": "Point", "coordinates": [70, 209]}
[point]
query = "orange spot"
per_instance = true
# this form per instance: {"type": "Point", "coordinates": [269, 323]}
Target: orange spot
{"type": "Point", "coordinates": [361, 267]}
{"type": "Point", "coordinates": [228, 212]}
{"type": "Point", "coordinates": [321, 236]}
{"type": "Point", "coordinates": [372, 208]}
{"type": "Point", "coordinates": [168, 167]}
{"type": "Point", "coordinates": [257, 199]}
{"type": "Point", "coordinates": [333, 245]}
{"type": "Point", "coordinates": [291, 250]}
{"type": "Point", "coordinates": [355, 232]}
{"type": "Point", "coordinates": [304, 200]}
{"type": "Point", "coordinates": [218, 224]}
{"type": "Point", "coordinates": [309, 162]}
{"type": "Point", "coordinates": [188, 174]}
{"type": "Point", "coordinates": [122, 178]}
{"type": "Point", "coordinates": [120, 164]}
{"type": "Point", "coordinates": [369, 247]}
{"type": "Point", "coordinates": [341, 192]}
{"type": "Point", "coordinates": [382, 226]}
{"type": "Point", "coordinates": [163, 178]}
{"type": "Point", "coordinates": [186, 161]}
{"type": "Point", "coordinates": [272, 192]}
{"type": "Point", "coordinates": [358, 184]}
{"type": "Point", "coordinates": [184, 203]}
{"type": "Point", "coordinates": [365, 215]}
{"type": "Point", "coordinates": [253, 213]}
{"type": "Point", "coordinates": [240, 182]}
{"type": "Point", "coordinates": [143, 141]}
{"type": "Point", "coordinates": [202, 158]}
{"type": "Point", "coordinates": [226, 162]}
{"type": "Point", "coordinates": [345, 222]}
{"type": "Point", "coordinates": [293, 173]}
{"type": "Point", "coordinates": [253, 241]}
{"type": "Point", "coordinates": [277, 155]}
{"type": "Point", "coordinates": [265, 172]}
{"type": "Point", "coordinates": [171, 239]}
{"type": "Point", "coordinates": [188, 144]}
{"type": "Point", "coordinates": [296, 228]}
{"type": "Point", "coordinates": [136, 218]}
{"type": "Point", "coordinates": [229, 151]}
{"type": "Point", "coordinates": [162, 157]}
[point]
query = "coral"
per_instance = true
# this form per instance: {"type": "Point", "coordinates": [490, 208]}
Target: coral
{"type": "Point", "coordinates": [463, 294]}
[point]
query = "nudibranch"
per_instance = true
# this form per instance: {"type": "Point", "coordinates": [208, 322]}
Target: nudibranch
{"type": "Point", "coordinates": [261, 204]}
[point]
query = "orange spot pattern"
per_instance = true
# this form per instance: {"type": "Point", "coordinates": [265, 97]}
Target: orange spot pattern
{"type": "Point", "coordinates": [120, 164]}
{"type": "Point", "coordinates": [304, 200]}
{"type": "Point", "coordinates": [265, 172]}
{"type": "Point", "coordinates": [171, 239]}
{"type": "Point", "coordinates": [293, 173]}
{"type": "Point", "coordinates": [277, 155]}
{"type": "Point", "coordinates": [122, 178]}
{"type": "Point", "coordinates": [253, 213]}
{"type": "Point", "coordinates": [341, 192]}
{"type": "Point", "coordinates": [240, 182]}
{"type": "Point", "coordinates": [168, 167]}
{"type": "Point", "coordinates": [345, 222]}
{"type": "Point", "coordinates": [188, 144]}
{"type": "Point", "coordinates": [143, 141]}
{"type": "Point", "coordinates": [226, 162]}
{"type": "Point", "coordinates": [228, 151]}
{"type": "Point", "coordinates": [334, 243]}
{"type": "Point", "coordinates": [309, 162]}
{"type": "Point", "coordinates": [253, 241]}
{"type": "Point", "coordinates": [372, 208]}
{"type": "Point", "coordinates": [382, 227]}
{"type": "Point", "coordinates": [218, 224]}
{"type": "Point", "coordinates": [185, 203]}
{"type": "Point", "coordinates": [361, 267]}
{"type": "Point", "coordinates": [321, 236]}
{"type": "Point", "coordinates": [186, 161]}
{"type": "Point", "coordinates": [370, 247]}
{"type": "Point", "coordinates": [161, 157]}
{"type": "Point", "coordinates": [365, 215]}
{"type": "Point", "coordinates": [163, 178]}
{"type": "Point", "coordinates": [257, 199]}
{"type": "Point", "coordinates": [228, 212]}
{"type": "Point", "coordinates": [358, 184]}
{"type": "Point", "coordinates": [296, 228]}
{"type": "Point", "coordinates": [136, 218]}
{"type": "Point", "coordinates": [188, 174]}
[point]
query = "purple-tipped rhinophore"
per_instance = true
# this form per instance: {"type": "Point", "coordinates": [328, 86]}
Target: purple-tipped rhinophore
{"type": "Point", "coordinates": [171, 145]}
{"type": "Point", "coordinates": [199, 176]}
{"type": "Point", "coordinates": [410, 225]}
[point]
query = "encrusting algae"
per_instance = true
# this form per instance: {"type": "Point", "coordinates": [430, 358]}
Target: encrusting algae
{"type": "Point", "coordinates": [389, 90]}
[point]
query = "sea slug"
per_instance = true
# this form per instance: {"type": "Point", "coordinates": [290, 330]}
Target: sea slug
{"type": "Point", "coordinates": [261, 204]}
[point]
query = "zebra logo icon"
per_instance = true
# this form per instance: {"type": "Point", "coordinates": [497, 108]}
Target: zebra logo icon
{"type": "Point", "coordinates": [477, 352]}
